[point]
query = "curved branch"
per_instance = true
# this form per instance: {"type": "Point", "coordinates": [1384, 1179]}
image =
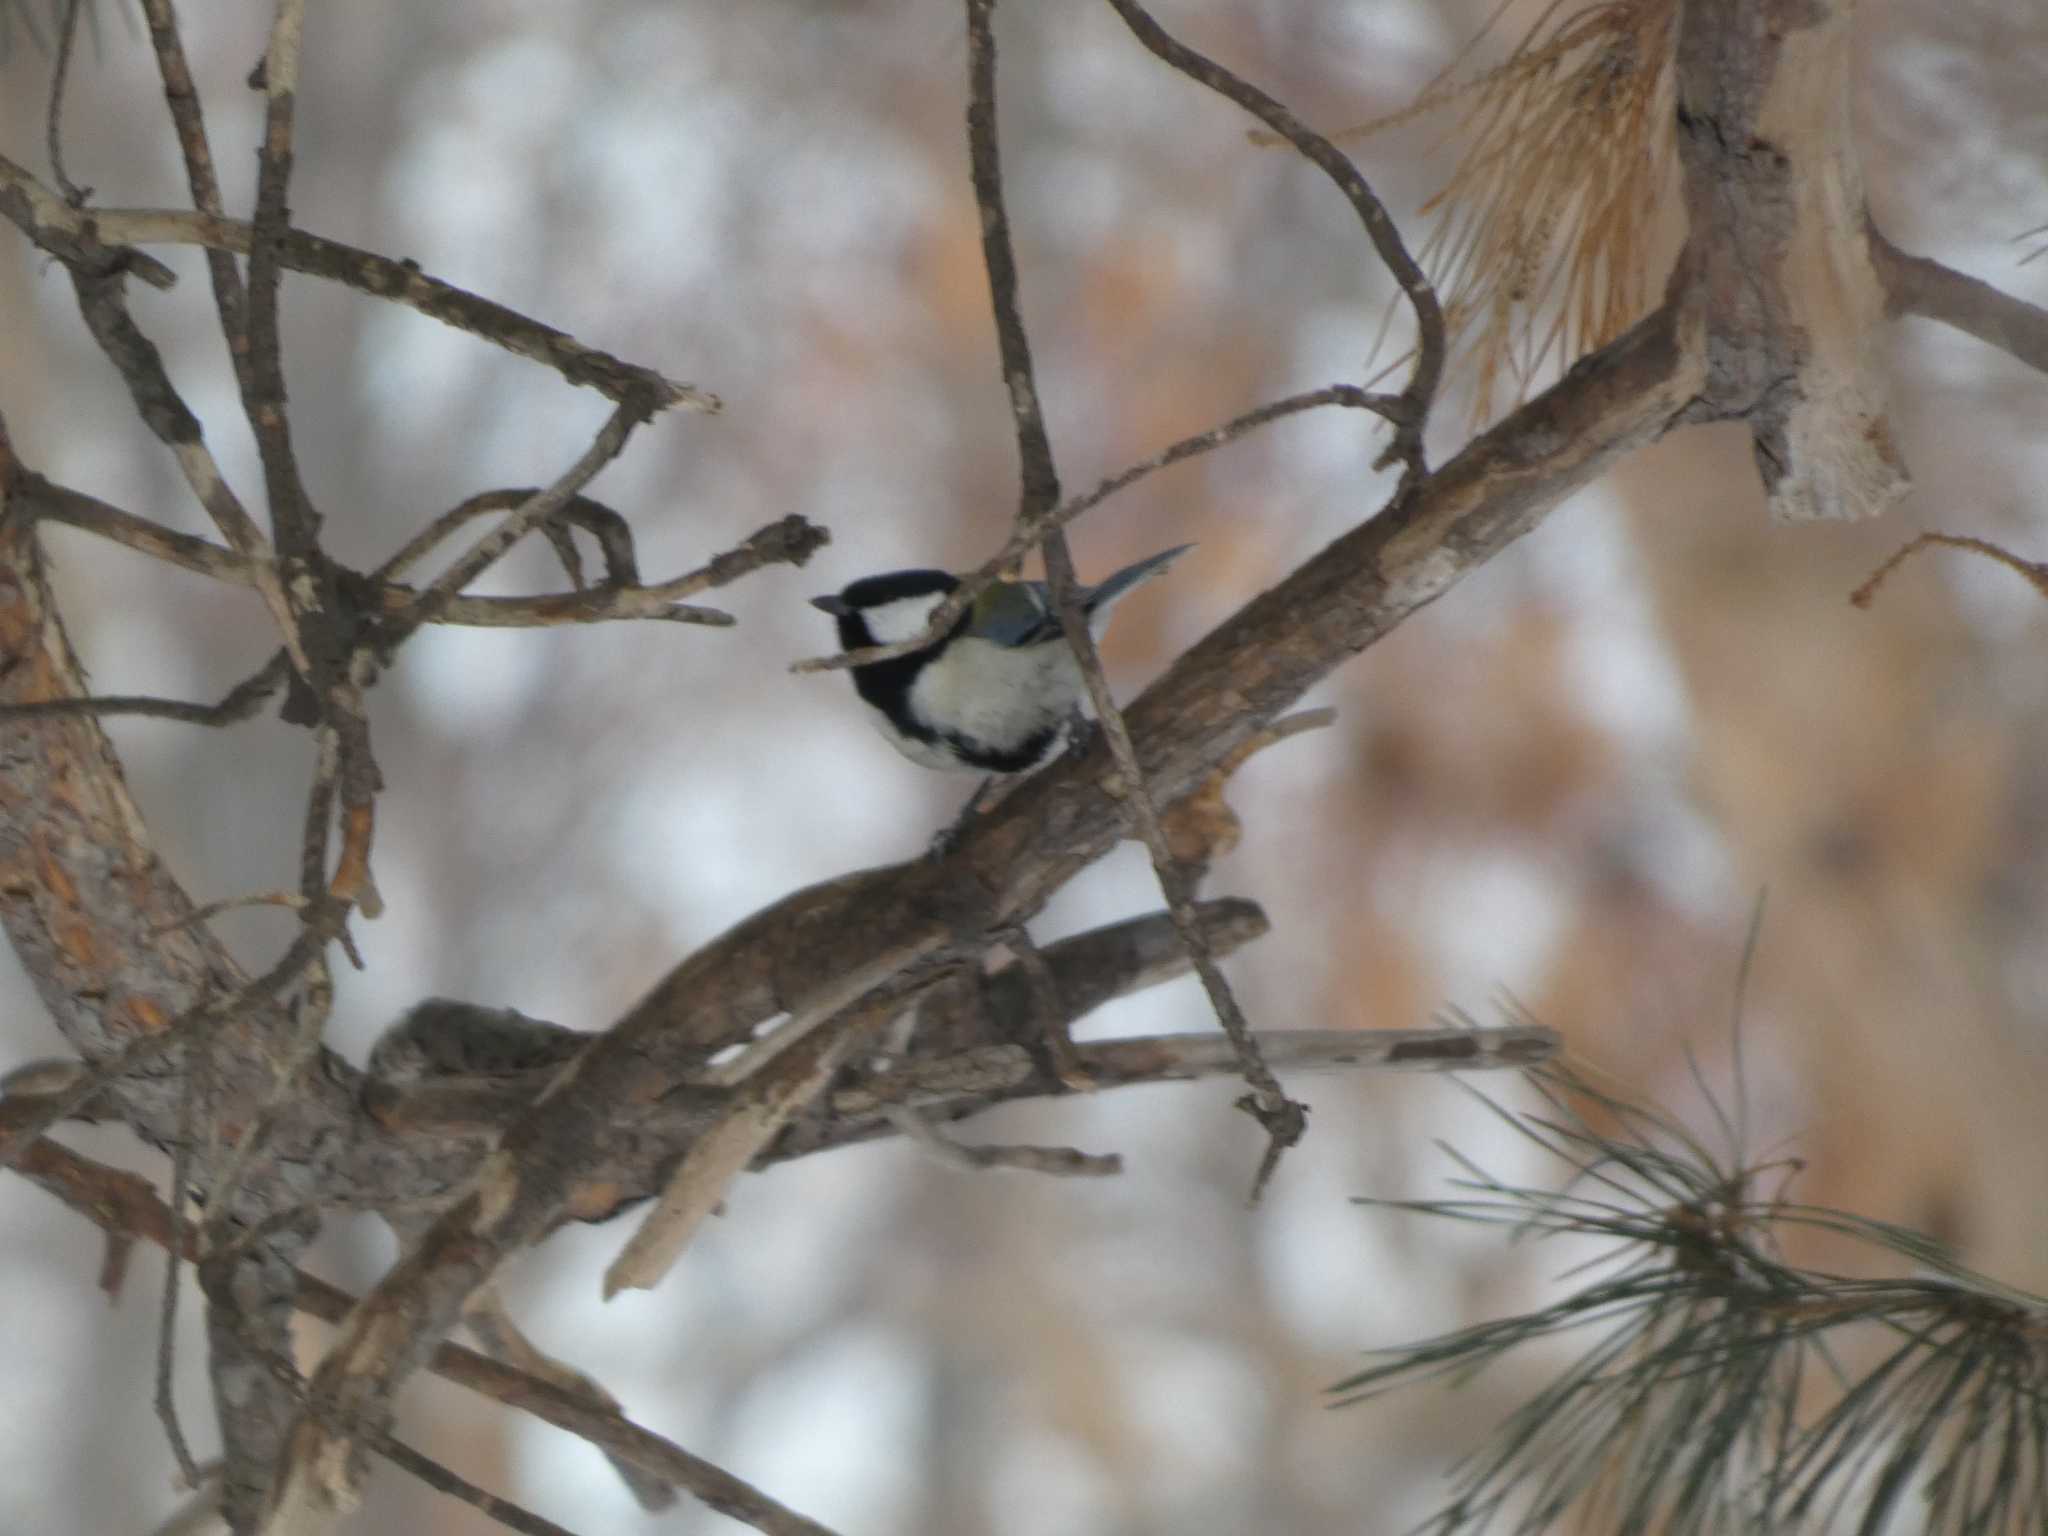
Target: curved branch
{"type": "Point", "coordinates": [1431, 344]}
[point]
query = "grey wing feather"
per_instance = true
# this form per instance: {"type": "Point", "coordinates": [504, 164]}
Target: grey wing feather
{"type": "Point", "coordinates": [1096, 600]}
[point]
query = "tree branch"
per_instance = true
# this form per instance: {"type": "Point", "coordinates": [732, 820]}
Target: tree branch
{"type": "Point", "coordinates": [1776, 272]}
{"type": "Point", "coordinates": [1028, 532]}
{"type": "Point", "coordinates": [61, 230]}
{"type": "Point", "coordinates": [1284, 1119]}
{"type": "Point", "coordinates": [782, 959]}
{"type": "Point", "coordinates": [1919, 285]}
{"type": "Point", "coordinates": [1420, 395]}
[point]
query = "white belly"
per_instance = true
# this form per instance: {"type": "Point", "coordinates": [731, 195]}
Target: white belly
{"type": "Point", "coordinates": [996, 696]}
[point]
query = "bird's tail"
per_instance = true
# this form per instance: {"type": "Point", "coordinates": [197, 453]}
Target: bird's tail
{"type": "Point", "coordinates": [1096, 600]}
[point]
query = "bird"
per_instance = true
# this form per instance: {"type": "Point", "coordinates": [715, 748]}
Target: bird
{"type": "Point", "coordinates": [999, 692]}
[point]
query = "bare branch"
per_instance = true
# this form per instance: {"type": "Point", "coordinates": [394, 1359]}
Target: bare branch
{"type": "Point", "coordinates": [2034, 571]}
{"type": "Point", "coordinates": [290, 900]}
{"type": "Point", "coordinates": [530, 514]}
{"type": "Point", "coordinates": [401, 283]}
{"type": "Point", "coordinates": [104, 307]}
{"type": "Point", "coordinates": [1029, 531]}
{"type": "Point", "coordinates": [189, 123]}
{"type": "Point", "coordinates": [1283, 1118]}
{"type": "Point", "coordinates": [772, 1080]}
{"type": "Point", "coordinates": [613, 533]}
{"type": "Point", "coordinates": [293, 523]}
{"type": "Point", "coordinates": [43, 499]}
{"type": "Point", "coordinates": [792, 540]}
{"type": "Point", "coordinates": [1776, 274]}
{"type": "Point", "coordinates": [1060, 1162]}
{"type": "Point", "coordinates": [1918, 285]}
{"type": "Point", "coordinates": [789, 954]}
{"type": "Point", "coordinates": [53, 130]}
{"type": "Point", "coordinates": [1420, 394]}
{"type": "Point", "coordinates": [491, 1321]}
{"type": "Point", "coordinates": [239, 703]}
{"type": "Point", "coordinates": [67, 233]}
{"type": "Point", "coordinates": [445, 1480]}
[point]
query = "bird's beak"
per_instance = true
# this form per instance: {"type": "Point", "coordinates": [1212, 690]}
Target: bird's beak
{"type": "Point", "coordinates": [832, 604]}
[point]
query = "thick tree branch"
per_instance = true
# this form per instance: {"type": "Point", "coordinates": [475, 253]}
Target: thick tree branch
{"type": "Point", "coordinates": [1776, 269]}
{"type": "Point", "coordinates": [792, 954]}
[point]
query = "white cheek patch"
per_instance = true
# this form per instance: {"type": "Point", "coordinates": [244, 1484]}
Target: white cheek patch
{"type": "Point", "coordinates": [903, 619]}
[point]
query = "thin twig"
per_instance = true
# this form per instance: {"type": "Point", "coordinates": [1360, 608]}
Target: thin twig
{"type": "Point", "coordinates": [263, 391]}
{"type": "Point", "coordinates": [611, 438]}
{"type": "Point", "coordinates": [335, 666]}
{"type": "Point", "coordinates": [2034, 571]}
{"type": "Point", "coordinates": [103, 305]}
{"type": "Point", "coordinates": [1059, 1162]}
{"type": "Point", "coordinates": [45, 500]}
{"type": "Point", "coordinates": [443, 1479]}
{"type": "Point", "coordinates": [167, 1312]}
{"type": "Point", "coordinates": [239, 703]}
{"type": "Point", "coordinates": [1045, 995]}
{"type": "Point", "coordinates": [181, 95]}
{"type": "Point", "coordinates": [1420, 394]}
{"type": "Point", "coordinates": [1027, 532]}
{"type": "Point", "coordinates": [792, 540]}
{"type": "Point", "coordinates": [53, 126]}
{"type": "Point", "coordinates": [613, 533]}
{"type": "Point", "coordinates": [58, 228]}
{"type": "Point", "coordinates": [1284, 1119]}
{"type": "Point", "coordinates": [492, 1323]}
{"type": "Point", "coordinates": [1041, 484]}
{"type": "Point", "coordinates": [290, 900]}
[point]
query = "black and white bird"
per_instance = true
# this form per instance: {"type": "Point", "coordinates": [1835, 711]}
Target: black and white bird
{"type": "Point", "coordinates": [999, 691]}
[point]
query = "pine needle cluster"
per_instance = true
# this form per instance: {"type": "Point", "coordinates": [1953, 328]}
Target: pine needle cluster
{"type": "Point", "coordinates": [1547, 241]}
{"type": "Point", "coordinates": [1692, 1408]}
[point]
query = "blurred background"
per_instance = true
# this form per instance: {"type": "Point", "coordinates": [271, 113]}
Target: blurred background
{"type": "Point", "coordinates": [1568, 782]}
